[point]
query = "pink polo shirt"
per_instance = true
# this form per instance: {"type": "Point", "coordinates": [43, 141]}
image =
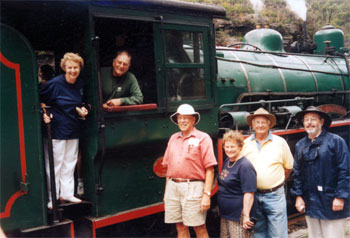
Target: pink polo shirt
{"type": "Point", "coordinates": [188, 157]}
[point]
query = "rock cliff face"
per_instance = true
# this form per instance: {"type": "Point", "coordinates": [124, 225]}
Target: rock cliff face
{"type": "Point", "coordinates": [281, 16]}
{"type": "Point", "coordinates": [228, 32]}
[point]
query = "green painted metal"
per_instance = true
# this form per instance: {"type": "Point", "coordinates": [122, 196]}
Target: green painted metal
{"type": "Point", "coordinates": [247, 72]}
{"type": "Point", "coordinates": [133, 144]}
{"type": "Point", "coordinates": [330, 34]}
{"type": "Point", "coordinates": [22, 182]}
{"type": "Point", "coordinates": [149, 128]}
{"type": "Point", "coordinates": [134, 140]}
{"type": "Point", "coordinates": [265, 39]}
{"type": "Point", "coordinates": [239, 119]}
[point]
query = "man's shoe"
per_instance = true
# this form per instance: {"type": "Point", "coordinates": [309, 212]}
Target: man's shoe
{"type": "Point", "coordinates": [72, 199]}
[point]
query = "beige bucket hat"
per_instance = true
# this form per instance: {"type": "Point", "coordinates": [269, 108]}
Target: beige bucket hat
{"type": "Point", "coordinates": [262, 112]}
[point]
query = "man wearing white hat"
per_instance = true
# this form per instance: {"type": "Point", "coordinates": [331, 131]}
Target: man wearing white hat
{"type": "Point", "coordinates": [273, 162]}
{"type": "Point", "coordinates": [190, 162]}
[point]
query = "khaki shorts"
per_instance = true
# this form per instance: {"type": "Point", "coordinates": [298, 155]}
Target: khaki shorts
{"type": "Point", "coordinates": [182, 203]}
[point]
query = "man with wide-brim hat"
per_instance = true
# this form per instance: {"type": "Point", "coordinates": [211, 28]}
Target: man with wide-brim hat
{"type": "Point", "coordinates": [321, 175]}
{"type": "Point", "coordinates": [262, 112]}
{"type": "Point", "coordinates": [312, 109]}
{"type": "Point", "coordinates": [273, 162]}
{"type": "Point", "coordinates": [190, 161]}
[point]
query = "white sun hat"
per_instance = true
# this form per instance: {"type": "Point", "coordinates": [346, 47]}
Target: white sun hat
{"type": "Point", "coordinates": [185, 109]}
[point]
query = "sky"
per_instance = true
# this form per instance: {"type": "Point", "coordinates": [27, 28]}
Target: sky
{"type": "Point", "coordinates": [296, 6]}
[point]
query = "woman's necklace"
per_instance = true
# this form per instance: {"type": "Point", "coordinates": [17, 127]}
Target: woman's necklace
{"type": "Point", "coordinates": [228, 164]}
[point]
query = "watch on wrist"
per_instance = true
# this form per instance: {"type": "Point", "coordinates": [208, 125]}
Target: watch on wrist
{"type": "Point", "coordinates": [208, 193]}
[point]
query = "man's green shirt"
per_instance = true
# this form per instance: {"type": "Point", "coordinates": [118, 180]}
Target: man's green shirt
{"type": "Point", "coordinates": [125, 87]}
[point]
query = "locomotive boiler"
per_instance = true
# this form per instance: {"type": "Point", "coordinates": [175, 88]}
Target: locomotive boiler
{"type": "Point", "coordinates": [260, 69]}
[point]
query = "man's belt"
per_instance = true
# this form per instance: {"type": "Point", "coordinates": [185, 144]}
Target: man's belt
{"type": "Point", "coordinates": [180, 180]}
{"type": "Point", "coordinates": [270, 189]}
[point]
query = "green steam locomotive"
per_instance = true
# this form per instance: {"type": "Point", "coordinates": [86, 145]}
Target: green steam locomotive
{"type": "Point", "coordinates": [175, 60]}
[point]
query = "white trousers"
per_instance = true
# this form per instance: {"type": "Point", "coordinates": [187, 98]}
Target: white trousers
{"type": "Point", "coordinates": [318, 228]}
{"type": "Point", "coordinates": [65, 153]}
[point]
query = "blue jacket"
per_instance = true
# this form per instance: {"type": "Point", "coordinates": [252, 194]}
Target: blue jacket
{"type": "Point", "coordinates": [63, 98]}
{"type": "Point", "coordinates": [321, 173]}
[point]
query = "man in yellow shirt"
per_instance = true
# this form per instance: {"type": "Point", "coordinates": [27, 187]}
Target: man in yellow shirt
{"type": "Point", "coordinates": [273, 162]}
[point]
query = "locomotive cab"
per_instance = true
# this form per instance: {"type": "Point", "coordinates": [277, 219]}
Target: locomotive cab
{"type": "Point", "coordinates": [171, 44]}
{"type": "Point", "coordinates": [174, 59]}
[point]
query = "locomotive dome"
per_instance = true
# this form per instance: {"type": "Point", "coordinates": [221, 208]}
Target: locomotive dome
{"type": "Point", "coordinates": [265, 39]}
{"type": "Point", "coordinates": [329, 34]}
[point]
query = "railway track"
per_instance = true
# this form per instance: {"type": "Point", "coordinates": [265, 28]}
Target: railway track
{"type": "Point", "coordinates": [296, 218]}
{"type": "Point", "coordinates": [296, 225]}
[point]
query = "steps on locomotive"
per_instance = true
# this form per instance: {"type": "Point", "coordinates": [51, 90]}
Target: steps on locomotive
{"type": "Point", "coordinates": [63, 228]}
{"type": "Point", "coordinates": [71, 210]}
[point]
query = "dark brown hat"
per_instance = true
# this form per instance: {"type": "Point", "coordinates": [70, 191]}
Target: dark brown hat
{"type": "Point", "coordinates": [262, 112]}
{"type": "Point", "coordinates": [327, 120]}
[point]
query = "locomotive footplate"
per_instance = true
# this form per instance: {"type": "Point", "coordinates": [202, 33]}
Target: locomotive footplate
{"type": "Point", "coordinates": [64, 228]}
{"type": "Point", "coordinates": [70, 210]}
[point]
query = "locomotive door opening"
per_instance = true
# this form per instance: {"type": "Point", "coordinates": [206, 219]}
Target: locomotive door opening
{"type": "Point", "coordinates": [126, 153]}
{"type": "Point", "coordinates": [136, 37]}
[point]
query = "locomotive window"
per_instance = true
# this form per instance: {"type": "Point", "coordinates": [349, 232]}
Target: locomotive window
{"type": "Point", "coordinates": [137, 38]}
{"type": "Point", "coordinates": [183, 47]}
{"type": "Point", "coordinates": [185, 65]}
{"type": "Point", "coordinates": [186, 84]}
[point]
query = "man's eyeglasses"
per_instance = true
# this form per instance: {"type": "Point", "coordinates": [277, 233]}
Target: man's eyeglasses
{"type": "Point", "coordinates": [123, 64]}
{"type": "Point", "coordinates": [310, 119]}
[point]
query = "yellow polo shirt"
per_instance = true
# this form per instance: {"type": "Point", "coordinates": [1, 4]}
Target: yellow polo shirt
{"type": "Point", "coordinates": [269, 161]}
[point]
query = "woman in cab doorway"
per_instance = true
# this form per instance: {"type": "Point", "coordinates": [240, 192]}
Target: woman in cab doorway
{"type": "Point", "coordinates": [64, 95]}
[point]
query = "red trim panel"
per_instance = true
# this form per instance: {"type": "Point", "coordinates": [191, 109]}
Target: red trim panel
{"type": "Point", "coordinates": [220, 155]}
{"type": "Point", "coordinates": [220, 163]}
{"type": "Point", "coordinates": [9, 204]}
{"type": "Point", "coordinates": [333, 108]}
{"type": "Point", "coordinates": [16, 67]}
{"type": "Point", "coordinates": [129, 215]}
{"type": "Point", "coordinates": [342, 123]}
{"type": "Point", "coordinates": [72, 230]}
{"type": "Point", "coordinates": [294, 131]}
{"type": "Point", "coordinates": [93, 230]}
{"type": "Point", "coordinates": [288, 132]}
{"type": "Point", "coordinates": [140, 107]}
